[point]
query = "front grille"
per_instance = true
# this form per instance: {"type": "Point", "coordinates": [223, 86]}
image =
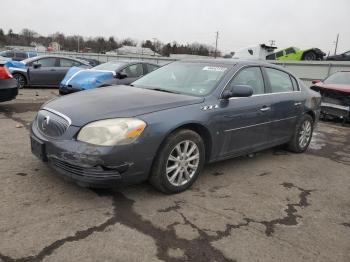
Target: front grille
{"type": "Point", "coordinates": [50, 124]}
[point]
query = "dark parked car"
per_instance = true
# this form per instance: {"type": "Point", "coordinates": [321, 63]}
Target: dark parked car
{"type": "Point", "coordinates": [8, 85]}
{"type": "Point", "coordinates": [335, 91]}
{"type": "Point", "coordinates": [174, 120]}
{"type": "Point", "coordinates": [342, 57]}
{"type": "Point", "coordinates": [45, 71]}
{"type": "Point", "coordinates": [111, 73]}
{"type": "Point", "coordinates": [16, 55]}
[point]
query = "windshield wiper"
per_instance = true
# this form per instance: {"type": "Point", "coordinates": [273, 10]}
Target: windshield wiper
{"type": "Point", "coordinates": [165, 90]}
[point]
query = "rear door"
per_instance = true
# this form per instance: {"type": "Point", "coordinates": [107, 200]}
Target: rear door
{"type": "Point", "coordinates": [246, 120]}
{"type": "Point", "coordinates": [287, 104]}
{"type": "Point", "coordinates": [43, 72]}
{"type": "Point", "coordinates": [133, 72]}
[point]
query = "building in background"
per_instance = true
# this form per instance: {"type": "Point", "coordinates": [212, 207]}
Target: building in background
{"type": "Point", "coordinates": [133, 51]}
{"type": "Point", "coordinates": [54, 47]}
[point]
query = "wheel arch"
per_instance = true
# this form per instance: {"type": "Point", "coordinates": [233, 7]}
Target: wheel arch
{"type": "Point", "coordinates": [22, 74]}
{"type": "Point", "coordinates": [200, 129]}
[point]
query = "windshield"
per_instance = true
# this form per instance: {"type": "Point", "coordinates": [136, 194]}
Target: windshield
{"type": "Point", "coordinates": [339, 78]}
{"type": "Point", "coordinates": [109, 66]}
{"type": "Point", "coordinates": [197, 79]}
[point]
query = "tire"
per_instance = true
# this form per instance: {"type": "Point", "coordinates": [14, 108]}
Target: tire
{"type": "Point", "coordinates": [310, 56]}
{"type": "Point", "coordinates": [302, 135]}
{"type": "Point", "coordinates": [21, 80]}
{"type": "Point", "coordinates": [166, 173]}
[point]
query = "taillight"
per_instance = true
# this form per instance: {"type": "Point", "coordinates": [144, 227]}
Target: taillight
{"type": "Point", "coordinates": [5, 73]}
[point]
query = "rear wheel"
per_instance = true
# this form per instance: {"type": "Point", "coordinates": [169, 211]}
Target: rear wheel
{"type": "Point", "coordinates": [21, 80]}
{"type": "Point", "coordinates": [178, 162]}
{"type": "Point", "coordinates": [309, 56]}
{"type": "Point", "coordinates": [302, 135]}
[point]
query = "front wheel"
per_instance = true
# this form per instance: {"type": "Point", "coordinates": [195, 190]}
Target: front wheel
{"type": "Point", "coordinates": [21, 80]}
{"type": "Point", "coordinates": [178, 162]}
{"type": "Point", "coordinates": [302, 135]}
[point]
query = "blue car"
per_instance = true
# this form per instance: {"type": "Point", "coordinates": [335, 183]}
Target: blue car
{"type": "Point", "coordinates": [107, 74]}
{"type": "Point", "coordinates": [17, 55]}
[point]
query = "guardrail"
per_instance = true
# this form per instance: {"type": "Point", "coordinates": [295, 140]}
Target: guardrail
{"type": "Point", "coordinates": [305, 70]}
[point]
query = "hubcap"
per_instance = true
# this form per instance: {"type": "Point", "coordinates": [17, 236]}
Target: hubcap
{"type": "Point", "coordinates": [182, 163]}
{"type": "Point", "coordinates": [305, 134]}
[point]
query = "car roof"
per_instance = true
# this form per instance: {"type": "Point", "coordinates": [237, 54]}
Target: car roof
{"type": "Point", "coordinates": [55, 56]}
{"type": "Point", "coordinates": [230, 61]}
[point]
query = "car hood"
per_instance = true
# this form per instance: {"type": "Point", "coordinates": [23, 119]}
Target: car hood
{"type": "Point", "coordinates": [80, 78]}
{"type": "Point", "coordinates": [333, 87]}
{"type": "Point", "coordinates": [116, 101]}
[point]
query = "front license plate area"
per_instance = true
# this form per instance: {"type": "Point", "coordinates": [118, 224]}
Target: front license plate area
{"type": "Point", "coordinates": [38, 148]}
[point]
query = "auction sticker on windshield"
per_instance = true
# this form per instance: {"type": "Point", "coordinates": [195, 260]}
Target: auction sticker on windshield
{"type": "Point", "coordinates": [214, 68]}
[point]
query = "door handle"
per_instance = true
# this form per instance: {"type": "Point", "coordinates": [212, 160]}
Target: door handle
{"type": "Point", "coordinates": [265, 108]}
{"type": "Point", "coordinates": [52, 69]}
{"type": "Point", "coordinates": [297, 103]}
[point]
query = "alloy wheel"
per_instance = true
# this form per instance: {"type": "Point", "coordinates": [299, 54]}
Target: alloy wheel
{"type": "Point", "coordinates": [20, 80]}
{"type": "Point", "coordinates": [182, 163]}
{"type": "Point", "coordinates": [305, 133]}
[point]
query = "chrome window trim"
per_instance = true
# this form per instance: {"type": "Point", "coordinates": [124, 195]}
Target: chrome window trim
{"type": "Point", "coordinates": [260, 66]}
{"type": "Point", "coordinates": [58, 113]}
{"type": "Point", "coordinates": [264, 123]}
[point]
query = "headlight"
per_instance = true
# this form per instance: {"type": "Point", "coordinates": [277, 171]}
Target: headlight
{"type": "Point", "coordinates": [111, 132]}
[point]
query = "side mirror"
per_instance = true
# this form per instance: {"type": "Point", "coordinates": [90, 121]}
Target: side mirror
{"type": "Point", "coordinates": [315, 81]}
{"type": "Point", "coordinates": [36, 66]}
{"type": "Point", "coordinates": [238, 91]}
{"type": "Point", "coordinates": [121, 75]}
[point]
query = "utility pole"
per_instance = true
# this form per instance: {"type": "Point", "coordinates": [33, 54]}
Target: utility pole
{"type": "Point", "coordinates": [336, 45]}
{"type": "Point", "coordinates": [216, 43]}
{"type": "Point", "coordinates": [154, 46]}
{"type": "Point", "coordinates": [78, 43]}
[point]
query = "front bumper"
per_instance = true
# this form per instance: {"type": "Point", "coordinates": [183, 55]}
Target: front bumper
{"type": "Point", "coordinates": [8, 89]}
{"type": "Point", "coordinates": [335, 110]}
{"type": "Point", "coordinates": [88, 165]}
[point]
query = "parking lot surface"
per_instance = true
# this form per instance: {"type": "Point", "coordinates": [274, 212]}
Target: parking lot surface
{"type": "Point", "coordinates": [275, 206]}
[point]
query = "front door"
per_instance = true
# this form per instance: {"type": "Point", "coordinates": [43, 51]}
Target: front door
{"type": "Point", "coordinates": [43, 72]}
{"type": "Point", "coordinates": [246, 120]}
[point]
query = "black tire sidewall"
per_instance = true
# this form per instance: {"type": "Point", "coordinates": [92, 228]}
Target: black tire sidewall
{"type": "Point", "coordinates": [310, 54]}
{"type": "Point", "coordinates": [164, 153]}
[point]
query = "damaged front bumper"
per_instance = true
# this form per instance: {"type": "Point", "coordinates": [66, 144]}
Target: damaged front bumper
{"type": "Point", "coordinates": [88, 165]}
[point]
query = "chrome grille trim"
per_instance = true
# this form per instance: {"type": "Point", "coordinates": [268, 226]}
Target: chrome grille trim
{"type": "Point", "coordinates": [51, 124]}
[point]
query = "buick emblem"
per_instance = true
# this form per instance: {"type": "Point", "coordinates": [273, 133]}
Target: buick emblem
{"type": "Point", "coordinates": [45, 123]}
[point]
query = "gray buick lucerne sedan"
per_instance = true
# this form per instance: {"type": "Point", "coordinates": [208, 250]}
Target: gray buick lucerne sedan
{"type": "Point", "coordinates": [171, 122]}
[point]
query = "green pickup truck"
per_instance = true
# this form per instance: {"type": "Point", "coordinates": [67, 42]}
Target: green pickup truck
{"type": "Point", "coordinates": [294, 53]}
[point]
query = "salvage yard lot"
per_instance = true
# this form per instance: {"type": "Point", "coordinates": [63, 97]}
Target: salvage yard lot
{"type": "Point", "coordinates": [276, 206]}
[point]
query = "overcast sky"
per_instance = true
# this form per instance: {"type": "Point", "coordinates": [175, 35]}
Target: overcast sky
{"type": "Point", "coordinates": [302, 23]}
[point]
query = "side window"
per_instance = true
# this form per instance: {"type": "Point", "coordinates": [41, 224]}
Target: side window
{"type": "Point", "coordinates": [21, 55]}
{"type": "Point", "coordinates": [9, 54]}
{"type": "Point", "coordinates": [151, 68]}
{"type": "Point", "coordinates": [295, 84]}
{"type": "Point", "coordinates": [279, 54]}
{"type": "Point", "coordinates": [347, 53]}
{"type": "Point", "coordinates": [133, 70]}
{"type": "Point", "coordinates": [46, 62]}
{"type": "Point", "coordinates": [251, 76]}
{"type": "Point", "coordinates": [68, 63]}
{"type": "Point", "coordinates": [290, 51]}
{"type": "Point", "coordinates": [279, 81]}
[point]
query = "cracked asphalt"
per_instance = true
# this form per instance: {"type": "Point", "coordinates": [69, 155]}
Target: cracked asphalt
{"type": "Point", "coordinates": [275, 206]}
